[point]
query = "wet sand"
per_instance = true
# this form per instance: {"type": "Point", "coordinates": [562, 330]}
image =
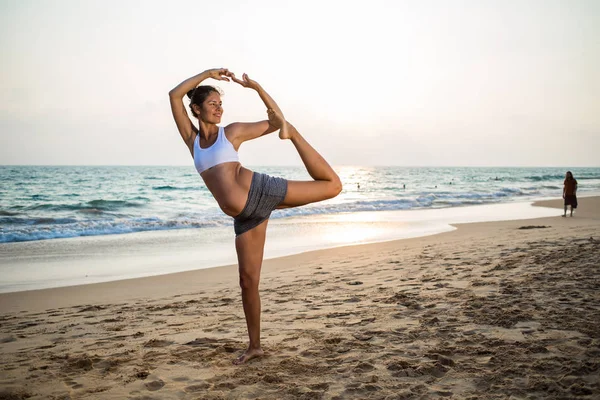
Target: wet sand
{"type": "Point", "coordinates": [492, 310]}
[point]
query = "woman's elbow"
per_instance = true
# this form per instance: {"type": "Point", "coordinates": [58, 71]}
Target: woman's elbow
{"type": "Point", "coordinates": [175, 94]}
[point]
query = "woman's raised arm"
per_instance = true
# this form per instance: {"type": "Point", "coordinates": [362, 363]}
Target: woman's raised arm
{"type": "Point", "coordinates": [265, 97]}
{"type": "Point", "coordinates": [248, 131]}
{"type": "Point", "coordinates": [184, 124]}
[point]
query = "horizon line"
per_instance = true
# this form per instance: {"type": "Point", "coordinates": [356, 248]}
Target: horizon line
{"type": "Point", "coordinates": [295, 165]}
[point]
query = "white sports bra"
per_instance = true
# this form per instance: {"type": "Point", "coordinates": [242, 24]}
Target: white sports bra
{"type": "Point", "coordinates": [220, 152]}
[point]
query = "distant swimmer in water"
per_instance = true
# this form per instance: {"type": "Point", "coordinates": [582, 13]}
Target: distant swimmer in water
{"type": "Point", "coordinates": [249, 197]}
{"type": "Point", "coordinates": [570, 192]}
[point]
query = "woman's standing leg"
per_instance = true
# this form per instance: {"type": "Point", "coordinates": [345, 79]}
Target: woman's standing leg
{"type": "Point", "coordinates": [250, 245]}
{"type": "Point", "coordinates": [250, 248]}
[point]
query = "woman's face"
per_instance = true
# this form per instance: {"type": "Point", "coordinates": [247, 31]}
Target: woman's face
{"type": "Point", "coordinates": [569, 175]}
{"type": "Point", "coordinates": [212, 109]}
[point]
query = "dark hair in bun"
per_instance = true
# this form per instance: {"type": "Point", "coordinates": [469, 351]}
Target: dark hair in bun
{"type": "Point", "coordinates": [199, 94]}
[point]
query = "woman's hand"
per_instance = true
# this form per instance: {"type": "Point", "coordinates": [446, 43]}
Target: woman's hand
{"type": "Point", "coordinates": [220, 74]}
{"type": "Point", "coordinates": [246, 81]}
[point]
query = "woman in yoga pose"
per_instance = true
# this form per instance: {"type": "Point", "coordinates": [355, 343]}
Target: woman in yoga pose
{"type": "Point", "coordinates": [247, 196]}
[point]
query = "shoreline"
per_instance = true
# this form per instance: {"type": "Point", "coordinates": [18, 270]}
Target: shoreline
{"type": "Point", "coordinates": [183, 281]}
{"type": "Point", "coordinates": [98, 259]}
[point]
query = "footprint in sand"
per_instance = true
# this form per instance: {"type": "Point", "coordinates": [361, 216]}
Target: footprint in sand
{"type": "Point", "coordinates": [225, 386]}
{"type": "Point", "coordinates": [354, 299]}
{"type": "Point", "coordinates": [155, 385]}
{"type": "Point", "coordinates": [72, 384]}
{"type": "Point", "coordinates": [363, 337]}
{"type": "Point", "coordinates": [157, 343]}
{"type": "Point", "coordinates": [334, 340]}
{"type": "Point", "coordinates": [320, 386]}
{"type": "Point", "coordinates": [363, 367]}
{"type": "Point", "coordinates": [197, 387]}
{"type": "Point", "coordinates": [359, 388]}
{"type": "Point", "coordinates": [77, 364]}
{"type": "Point", "coordinates": [272, 378]}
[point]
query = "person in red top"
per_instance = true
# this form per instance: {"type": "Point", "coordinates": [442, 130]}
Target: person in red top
{"type": "Point", "coordinates": [569, 193]}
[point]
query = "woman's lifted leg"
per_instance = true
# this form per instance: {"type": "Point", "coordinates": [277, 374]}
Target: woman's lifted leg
{"type": "Point", "coordinates": [326, 182]}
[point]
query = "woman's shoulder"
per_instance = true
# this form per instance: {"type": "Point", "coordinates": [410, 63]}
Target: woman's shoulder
{"type": "Point", "coordinates": [232, 127]}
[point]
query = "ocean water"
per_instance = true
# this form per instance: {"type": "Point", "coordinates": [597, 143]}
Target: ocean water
{"type": "Point", "coordinates": [49, 202]}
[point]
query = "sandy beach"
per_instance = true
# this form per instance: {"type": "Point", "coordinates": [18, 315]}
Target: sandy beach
{"type": "Point", "coordinates": [494, 310]}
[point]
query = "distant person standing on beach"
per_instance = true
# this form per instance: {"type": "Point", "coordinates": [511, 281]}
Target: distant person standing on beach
{"type": "Point", "coordinates": [249, 197]}
{"type": "Point", "coordinates": [570, 192]}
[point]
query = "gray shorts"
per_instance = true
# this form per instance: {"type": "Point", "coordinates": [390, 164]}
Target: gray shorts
{"type": "Point", "coordinates": [266, 193]}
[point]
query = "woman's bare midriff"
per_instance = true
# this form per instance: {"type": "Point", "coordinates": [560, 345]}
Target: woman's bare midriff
{"type": "Point", "coordinates": [229, 184]}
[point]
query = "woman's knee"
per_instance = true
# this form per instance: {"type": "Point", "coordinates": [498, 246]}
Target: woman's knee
{"type": "Point", "coordinates": [335, 186]}
{"type": "Point", "coordinates": [249, 281]}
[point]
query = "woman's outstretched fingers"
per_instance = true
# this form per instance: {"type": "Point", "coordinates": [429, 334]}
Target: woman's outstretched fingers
{"type": "Point", "coordinates": [222, 74]}
{"type": "Point", "coordinates": [244, 81]}
{"type": "Point", "coordinates": [236, 80]}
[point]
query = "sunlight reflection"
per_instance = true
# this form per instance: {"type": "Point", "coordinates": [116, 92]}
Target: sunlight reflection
{"type": "Point", "coordinates": [363, 217]}
{"type": "Point", "coordinates": [352, 175]}
{"type": "Point", "coordinates": [343, 233]}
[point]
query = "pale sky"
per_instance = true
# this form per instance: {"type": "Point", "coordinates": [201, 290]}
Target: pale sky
{"type": "Point", "coordinates": [412, 83]}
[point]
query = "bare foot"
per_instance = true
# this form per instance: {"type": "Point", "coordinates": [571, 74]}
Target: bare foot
{"type": "Point", "coordinates": [290, 131]}
{"type": "Point", "coordinates": [278, 121]}
{"type": "Point", "coordinates": [248, 355]}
